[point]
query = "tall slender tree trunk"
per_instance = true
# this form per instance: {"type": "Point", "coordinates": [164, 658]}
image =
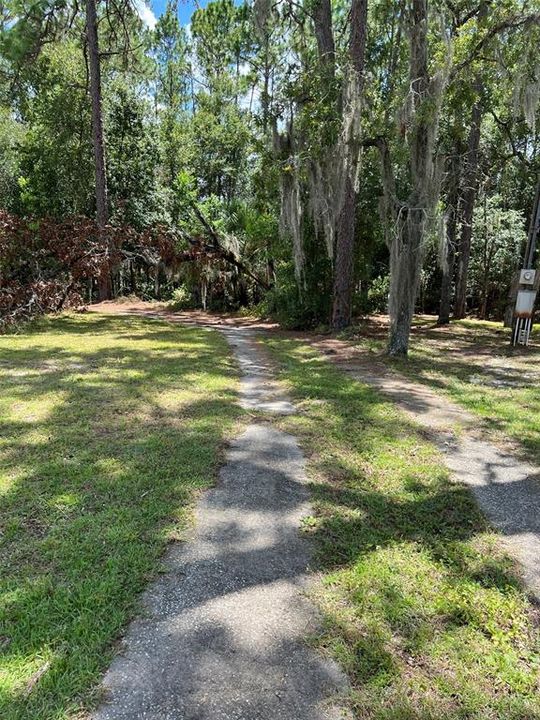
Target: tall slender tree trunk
{"type": "Point", "coordinates": [344, 259]}
{"type": "Point", "coordinates": [322, 23]}
{"type": "Point", "coordinates": [448, 262]}
{"type": "Point", "coordinates": [346, 225]}
{"type": "Point", "coordinates": [468, 202]}
{"type": "Point", "coordinates": [482, 312]}
{"type": "Point", "coordinates": [411, 218]}
{"type": "Point", "coordinates": [102, 212]}
{"type": "Point", "coordinates": [445, 305]}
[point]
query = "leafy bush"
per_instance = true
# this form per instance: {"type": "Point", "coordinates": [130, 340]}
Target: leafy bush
{"type": "Point", "coordinates": [378, 294]}
{"type": "Point", "coordinates": [295, 306]}
{"type": "Point", "coordinates": [181, 299]}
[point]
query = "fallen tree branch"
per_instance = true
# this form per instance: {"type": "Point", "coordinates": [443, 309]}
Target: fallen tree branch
{"type": "Point", "coordinates": [223, 253]}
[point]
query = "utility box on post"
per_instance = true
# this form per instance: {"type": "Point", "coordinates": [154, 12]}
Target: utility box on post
{"type": "Point", "coordinates": [528, 285]}
{"type": "Point", "coordinates": [525, 303]}
{"type": "Point", "coordinates": [524, 310]}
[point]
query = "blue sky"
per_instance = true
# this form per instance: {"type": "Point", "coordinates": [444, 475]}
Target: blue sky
{"type": "Point", "coordinates": [185, 8]}
{"type": "Point", "coordinates": [154, 8]}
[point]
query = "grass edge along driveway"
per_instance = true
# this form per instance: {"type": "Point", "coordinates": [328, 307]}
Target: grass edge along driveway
{"type": "Point", "coordinates": [420, 605]}
{"type": "Point", "coordinates": [110, 426]}
{"type": "Point", "coordinates": [472, 363]}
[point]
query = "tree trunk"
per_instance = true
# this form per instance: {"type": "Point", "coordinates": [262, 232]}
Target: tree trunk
{"type": "Point", "coordinates": [204, 290]}
{"type": "Point", "coordinates": [104, 284]}
{"type": "Point", "coordinates": [157, 282]}
{"type": "Point", "coordinates": [270, 266]}
{"type": "Point", "coordinates": [344, 260]}
{"type": "Point", "coordinates": [482, 313]}
{"type": "Point", "coordinates": [406, 256]}
{"type": "Point", "coordinates": [467, 212]}
{"type": "Point", "coordinates": [346, 225]}
{"type": "Point", "coordinates": [133, 278]}
{"type": "Point", "coordinates": [445, 305]}
{"type": "Point", "coordinates": [322, 23]}
{"type": "Point", "coordinates": [407, 242]}
{"type": "Point", "coordinates": [450, 249]}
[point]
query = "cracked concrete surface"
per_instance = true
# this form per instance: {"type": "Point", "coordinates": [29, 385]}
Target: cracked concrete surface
{"type": "Point", "coordinates": [224, 630]}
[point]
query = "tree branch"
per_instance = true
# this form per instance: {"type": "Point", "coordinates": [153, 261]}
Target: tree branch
{"type": "Point", "coordinates": [513, 23]}
{"type": "Point", "coordinates": [225, 254]}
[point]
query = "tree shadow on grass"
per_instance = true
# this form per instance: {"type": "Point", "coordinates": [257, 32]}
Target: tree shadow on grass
{"type": "Point", "coordinates": [423, 608]}
{"type": "Point", "coordinates": [109, 426]}
{"type": "Point", "coordinates": [468, 362]}
{"type": "Point", "coordinates": [104, 478]}
{"type": "Point", "coordinates": [507, 405]}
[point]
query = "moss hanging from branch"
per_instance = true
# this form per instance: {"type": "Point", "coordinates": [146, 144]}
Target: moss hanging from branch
{"type": "Point", "coordinates": [410, 221]}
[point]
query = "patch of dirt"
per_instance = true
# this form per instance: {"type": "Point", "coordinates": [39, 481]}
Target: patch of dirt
{"type": "Point", "coordinates": [186, 317]}
{"type": "Point", "coordinates": [482, 352]}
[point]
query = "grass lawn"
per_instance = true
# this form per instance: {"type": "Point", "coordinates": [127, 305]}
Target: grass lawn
{"type": "Point", "coordinates": [421, 607]}
{"type": "Point", "coordinates": [472, 361]}
{"type": "Point", "coordinates": [109, 427]}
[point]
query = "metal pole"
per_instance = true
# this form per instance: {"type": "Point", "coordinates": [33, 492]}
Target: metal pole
{"type": "Point", "coordinates": [522, 330]}
{"type": "Point", "coordinates": [534, 229]}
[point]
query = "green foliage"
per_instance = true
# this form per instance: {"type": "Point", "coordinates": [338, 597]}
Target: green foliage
{"type": "Point", "coordinates": [378, 294]}
{"type": "Point", "coordinates": [499, 239]}
{"type": "Point", "coordinates": [305, 304]}
{"type": "Point", "coordinates": [136, 197]}
{"type": "Point", "coordinates": [11, 136]}
{"type": "Point", "coordinates": [56, 150]}
{"type": "Point", "coordinates": [181, 299]}
{"type": "Point", "coordinates": [171, 54]}
{"type": "Point", "coordinates": [221, 139]}
{"type": "Point", "coordinates": [221, 33]}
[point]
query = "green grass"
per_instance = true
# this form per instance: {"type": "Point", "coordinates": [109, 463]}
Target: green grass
{"type": "Point", "coordinates": [421, 607]}
{"type": "Point", "coordinates": [472, 362]}
{"type": "Point", "coordinates": [108, 428]}
{"type": "Point", "coordinates": [478, 369]}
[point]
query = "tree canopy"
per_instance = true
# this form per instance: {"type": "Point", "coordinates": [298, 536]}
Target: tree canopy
{"type": "Point", "coordinates": [301, 158]}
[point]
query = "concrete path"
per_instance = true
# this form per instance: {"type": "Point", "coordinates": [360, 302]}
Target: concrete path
{"type": "Point", "coordinates": [224, 630]}
{"type": "Point", "coordinates": [225, 627]}
{"type": "Point", "coordinates": [506, 487]}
